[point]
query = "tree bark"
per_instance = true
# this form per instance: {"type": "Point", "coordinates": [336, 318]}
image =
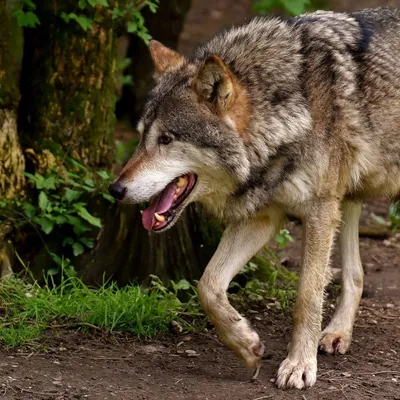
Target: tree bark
{"type": "Point", "coordinates": [126, 252]}
{"type": "Point", "coordinates": [164, 26]}
{"type": "Point", "coordinates": [68, 85]}
{"type": "Point", "coordinates": [12, 162]}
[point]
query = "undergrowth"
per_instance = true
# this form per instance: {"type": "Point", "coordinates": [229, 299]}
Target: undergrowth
{"type": "Point", "coordinates": [27, 308]}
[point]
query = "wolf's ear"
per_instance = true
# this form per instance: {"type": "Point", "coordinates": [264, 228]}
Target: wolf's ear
{"type": "Point", "coordinates": [214, 83]}
{"type": "Point", "coordinates": [163, 57]}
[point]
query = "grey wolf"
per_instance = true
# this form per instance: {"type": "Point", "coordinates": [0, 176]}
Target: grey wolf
{"type": "Point", "coordinates": [296, 116]}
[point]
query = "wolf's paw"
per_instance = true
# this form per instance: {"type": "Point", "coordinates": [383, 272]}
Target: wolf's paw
{"type": "Point", "coordinates": [297, 375]}
{"type": "Point", "coordinates": [245, 343]}
{"type": "Point", "coordinates": [337, 342]}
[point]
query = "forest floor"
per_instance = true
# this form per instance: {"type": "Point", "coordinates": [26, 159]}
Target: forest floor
{"type": "Point", "coordinates": [71, 365]}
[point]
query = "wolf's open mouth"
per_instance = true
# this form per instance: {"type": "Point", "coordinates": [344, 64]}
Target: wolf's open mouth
{"type": "Point", "coordinates": [163, 207]}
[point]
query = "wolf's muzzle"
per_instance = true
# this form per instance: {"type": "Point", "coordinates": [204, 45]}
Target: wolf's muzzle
{"type": "Point", "coordinates": [117, 190]}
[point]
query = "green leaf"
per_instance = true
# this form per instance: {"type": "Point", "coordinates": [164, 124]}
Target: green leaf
{"type": "Point", "coordinates": [45, 224]}
{"type": "Point", "coordinates": [79, 226]}
{"type": "Point", "coordinates": [84, 22]}
{"type": "Point", "coordinates": [182, 285]}
{"type": "Point", "coordinates": [53, 271]}
{"type": "Point", "coordinates": [58, 219]}
{"type": "Point", "coordinates": [117, 13]}
{"type": "Point", "coordinates": [71, 195]}
{"type": "Point", "coordinates": [29, 209]}
{"type": "Point", "coordinates": [88, 242]}
{"type": "Point", "coordinates": [30, 4]}
{"type": "Point", "coordinates": [105, 175]}
{"type": "Point", "coordinates": [89, 182]}
{"type": "Point", "coordinates": [82, 4]}
{"type": "Point", "coordinates": [126, 80]}
{"type": "Point", "coordinates": [44, 202]}
{"type": "Point", "coordinates": [26, 19]}
{"type": "Point", "coordinates": [77, 249]}
{"type": "Point", "coordinates": [131, 27]}
{"type": "Point", "coordinates": [68, 240]}
{"type": "Point", "coordinates": [378, 219]}
{"type": "Point", "coordinates": [108, 197]}
{"type": "Point", "coordinates": [82, 212]}
{"type": "Point", "coordinates": [49, 182]}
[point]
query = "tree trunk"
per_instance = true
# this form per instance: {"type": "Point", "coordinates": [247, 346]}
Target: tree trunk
{"type": "Point", "coordinates": [126, 252]}
{"type": "Point", "coordinates": [68, 85]}
{"type": "Point", "coordinates": [12, 163]}
{"type": "Point", "coordinates": [11, 158]}
{"type": "Point", "coordinates": [165, 26]}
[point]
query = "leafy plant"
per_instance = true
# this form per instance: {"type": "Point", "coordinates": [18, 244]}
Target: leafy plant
{"type": "Point", "coordinates": [394, 216]}
{"type": "Point", "coordinates": [264, 278]}
{"type": "Point", "coordinates": [130, 14]}
{"type": "Point", "coordinates": [26, 17]}
{"type": "Point", "coordinates": [60, 206]}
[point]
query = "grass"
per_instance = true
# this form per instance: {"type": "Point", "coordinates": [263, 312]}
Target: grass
{"type": "Point", "coordinates": [29, 309]}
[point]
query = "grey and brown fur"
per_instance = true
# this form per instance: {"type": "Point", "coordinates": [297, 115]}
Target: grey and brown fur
{"type": "Point", "coordinates": [300, 116]}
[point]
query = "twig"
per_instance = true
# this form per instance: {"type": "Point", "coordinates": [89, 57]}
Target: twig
{"type": "Point", "coordinates": [378, 373]}
{"type": "Point", "coordinates": [304, 397]}
{"type": "Point", "coordinates": [75, 324]}
{"type": "Point", "coordinates": [264, 397]}
{"type": "Point", "coordinates": [38, 393]}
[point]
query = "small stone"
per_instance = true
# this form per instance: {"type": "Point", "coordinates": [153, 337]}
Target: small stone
{"type": "Point", "coordinates": [389, 305]}
{"type": "Point", "coordinates": [394, 380]}
{"type": "Point", "coordinates": [346, 374]}
{"type": "Point", "coordinates": [192, 353]}
{"type": "Point", "coordinates": [176, 327]}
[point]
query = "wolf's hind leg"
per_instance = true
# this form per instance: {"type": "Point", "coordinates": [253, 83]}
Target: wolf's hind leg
{"type": "Point", "coordinates": [336, 337]}
{"type": "Point", "coordinates": [239, 243]}
{"type": "Point", "coordinates": [299, 369]}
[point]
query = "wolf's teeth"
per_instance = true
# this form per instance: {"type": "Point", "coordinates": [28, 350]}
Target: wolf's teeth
{"type": "Point", "coordinates": [181, 182]}
{"type": "Point", "coordinates": [141, 211]}
{"type": "Point", "coordinates": [175, 196]}
{"type": "Point", "coordinates": [159, 218]}
{"type": "Point", "coordinates": [177, 191]}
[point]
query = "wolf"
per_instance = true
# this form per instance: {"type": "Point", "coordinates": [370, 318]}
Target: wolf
{"type": "Point", "coordinates": [277, 117]}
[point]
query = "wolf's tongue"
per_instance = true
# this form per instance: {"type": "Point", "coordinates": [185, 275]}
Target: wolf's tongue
{"type": "Point", "coordinates": [160, 204]}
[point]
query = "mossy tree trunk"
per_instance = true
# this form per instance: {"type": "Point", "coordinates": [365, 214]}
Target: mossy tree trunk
{"type": "Point", "coordinates": [68, 84]}
{"type": "Point", "coordinates": [11, 157]}
{"type": "Point", "coordinates": [12, 161]}
{"type": "Point", "coordinates": [165, 26]}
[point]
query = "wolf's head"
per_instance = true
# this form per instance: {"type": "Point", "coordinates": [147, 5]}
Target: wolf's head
{"type": "Point", "coordinates": [192, 143]}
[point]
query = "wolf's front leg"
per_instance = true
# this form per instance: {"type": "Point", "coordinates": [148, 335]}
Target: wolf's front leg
{"type": "Point", "coordinates": [299, 369]}
{"type": "Point", "coordinates": [239, 243]}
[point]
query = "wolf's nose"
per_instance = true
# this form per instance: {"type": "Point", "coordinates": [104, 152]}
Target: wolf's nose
{"type": "Point", "coordinates": [117, 190]}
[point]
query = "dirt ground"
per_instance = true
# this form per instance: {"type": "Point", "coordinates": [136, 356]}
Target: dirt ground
{"type": "Point", "coordinates": [70, 365]}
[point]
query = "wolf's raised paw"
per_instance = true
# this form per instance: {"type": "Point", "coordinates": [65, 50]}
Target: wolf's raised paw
{"type": "Point", "coordinates": [296, 375]}
{"type": "Point", "coordinates": [334, 342]}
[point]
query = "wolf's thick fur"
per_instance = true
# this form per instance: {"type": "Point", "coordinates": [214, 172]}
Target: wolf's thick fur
{"type": "Point", "coordinates": [299, 116]}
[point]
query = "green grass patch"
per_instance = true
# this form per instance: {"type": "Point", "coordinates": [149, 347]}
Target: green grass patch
{"type": "Point", "coordinates": [28, 309]}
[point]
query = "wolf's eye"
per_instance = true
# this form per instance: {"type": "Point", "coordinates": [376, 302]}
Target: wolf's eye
{"type": "Point", "coordinates": [164, 139]}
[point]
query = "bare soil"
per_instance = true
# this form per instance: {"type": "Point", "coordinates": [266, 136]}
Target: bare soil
{"type": "Point", "coordinates": [72, 365]}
